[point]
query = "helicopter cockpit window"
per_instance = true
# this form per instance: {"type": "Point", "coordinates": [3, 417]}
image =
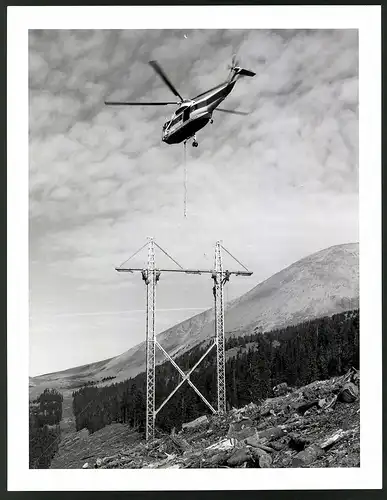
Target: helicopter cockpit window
{"type": "Point", "coordinates": [175, 120]}
{"type": "Point", "coordinates": [171, 123]}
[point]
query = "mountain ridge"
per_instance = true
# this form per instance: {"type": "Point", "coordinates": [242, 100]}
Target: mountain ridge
{"type": "Point", "coordinates": [320, 284]}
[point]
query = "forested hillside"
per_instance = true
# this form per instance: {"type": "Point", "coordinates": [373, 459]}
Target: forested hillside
{"type": "Point", "coordinates": [44, 430]}
{"type": "Point", "coordinates": [298, 355]}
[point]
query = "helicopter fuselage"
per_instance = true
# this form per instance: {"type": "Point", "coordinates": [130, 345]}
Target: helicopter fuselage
{"type": "Point", "coordinates": [193, 114]}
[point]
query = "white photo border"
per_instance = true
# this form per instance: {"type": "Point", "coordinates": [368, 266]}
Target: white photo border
{"type": "Point", "coordinates": [367, 19]}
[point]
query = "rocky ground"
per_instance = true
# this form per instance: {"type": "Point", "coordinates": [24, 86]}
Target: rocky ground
{"type": "Point", "coordinates": [314, 426]}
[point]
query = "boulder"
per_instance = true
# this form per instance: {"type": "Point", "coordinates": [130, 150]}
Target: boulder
{"type": "Point", "coordinates": [179, 442]}
{"type": "Point", "coordinates": [246, 412]}
{"type": "Point", "coordinates": [307, 456]}
{"type": "Point", "coordinates": [193, 459]}
{"type": "Point", "coordinates": [298, 443]}
{"type": "Point", "coordinates": [349, 393]}
{"type": "Point", "coordinates": [242, 429]}
{"type": "Point", "coordinates": [224, 444]}
{"type": "Point", "coordinates": [256, 442]}
{"type": "Point", "coordinates": [281, 389]}
{"type": "Point", "coordinates": [257, 452]}
{"type": "Point", "coordinates": [261, 459]}
{"type": "Point", "coordinates": [265, 461]}
{"type": "Point", "coordinates": [85, 466]}
{"type": "Point", "coordinates": [239, 457]}
{"type": "Point", "coordinates": [253, 441]}
{"type": "Point", "coordinates": [203, 420]}
{"type": "Point", "coordinates": [109, 459]}
{"type": "Point", "coordinates": [277, 445]}
{"type": "Point", "coordinates": [219, 458]}
{"type": "Point", "coordinates": [269, 449]}
{"type": "Point", "coordinates": [304, 407]}
{"type": "Point", "coordinates": [271, 433]}
{"type": "Point", "coordinates": [327, 402]}
{"type": "Point", "coordinates": [355, 376]}
{"type": "Point", "coordinates": [250, 408]}
{"type": "Point", "coordinates": [336, 437]}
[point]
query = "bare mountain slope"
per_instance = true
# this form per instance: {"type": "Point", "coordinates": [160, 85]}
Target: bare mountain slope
{"type": "Point", "coordinates": [321, 284]}
{"type": "Point", "coordinates": [65, 379]}
{"type": "Point", "coordinates": [324, 283]}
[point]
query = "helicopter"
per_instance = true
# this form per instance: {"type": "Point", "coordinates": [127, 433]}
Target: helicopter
{"type": "Point", "coordinates": [192, 114]}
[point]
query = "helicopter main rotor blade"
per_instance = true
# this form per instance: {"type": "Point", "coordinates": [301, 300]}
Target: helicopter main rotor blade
{"type": "Point", "coordinates": [155, 65]}
{"type": "Point", "coordinates": [231, 112]}
{"type": "Point", "coordinates": [120, 103]}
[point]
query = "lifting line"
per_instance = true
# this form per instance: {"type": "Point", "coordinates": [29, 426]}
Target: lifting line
{"type": "Point", "coordinates": [185, 179]}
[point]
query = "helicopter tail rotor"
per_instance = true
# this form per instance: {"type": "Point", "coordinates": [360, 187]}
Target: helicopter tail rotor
{"type": "Point", "coordinates": [236, 70]}
{"type": "Point", "coordinates": [234, 63]}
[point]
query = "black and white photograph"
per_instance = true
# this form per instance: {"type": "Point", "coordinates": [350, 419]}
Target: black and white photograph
{"type": "Point", "coordinates": [194, 246]}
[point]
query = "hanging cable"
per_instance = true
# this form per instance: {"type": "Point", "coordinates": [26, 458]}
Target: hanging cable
{"type": "Point", "coordinates": [185, 179]}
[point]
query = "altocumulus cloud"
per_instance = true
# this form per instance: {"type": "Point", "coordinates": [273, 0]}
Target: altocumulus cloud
{"type": "Point", "coordinates": [275, 185]}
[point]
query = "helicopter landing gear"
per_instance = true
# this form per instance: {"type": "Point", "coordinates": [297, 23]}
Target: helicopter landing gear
{"type": "Point", "coordinates": [195, 143]}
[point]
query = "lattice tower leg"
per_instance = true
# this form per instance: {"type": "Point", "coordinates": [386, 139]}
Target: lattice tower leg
{"type": "Point", "coordinates": [150, 344]}
{"type": "Point", "coordinates": [219, 329]}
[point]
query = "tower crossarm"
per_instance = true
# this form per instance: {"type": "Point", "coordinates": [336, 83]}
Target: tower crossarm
{"type": "Point", "coordinates": [186, 271]}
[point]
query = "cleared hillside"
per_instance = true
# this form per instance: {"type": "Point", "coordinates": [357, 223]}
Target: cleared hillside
{"type": "Point", "coordinates": [317, 425]}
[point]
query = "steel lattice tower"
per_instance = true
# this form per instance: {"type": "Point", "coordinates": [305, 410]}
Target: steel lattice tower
{"type": "Point", "coordinates": [218, 278]}
{"type": "Point", "coordinates": [151, 276]}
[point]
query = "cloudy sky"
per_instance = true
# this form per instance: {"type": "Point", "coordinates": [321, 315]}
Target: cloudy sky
{"type": "Point", "coordinates": [275, 185]}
